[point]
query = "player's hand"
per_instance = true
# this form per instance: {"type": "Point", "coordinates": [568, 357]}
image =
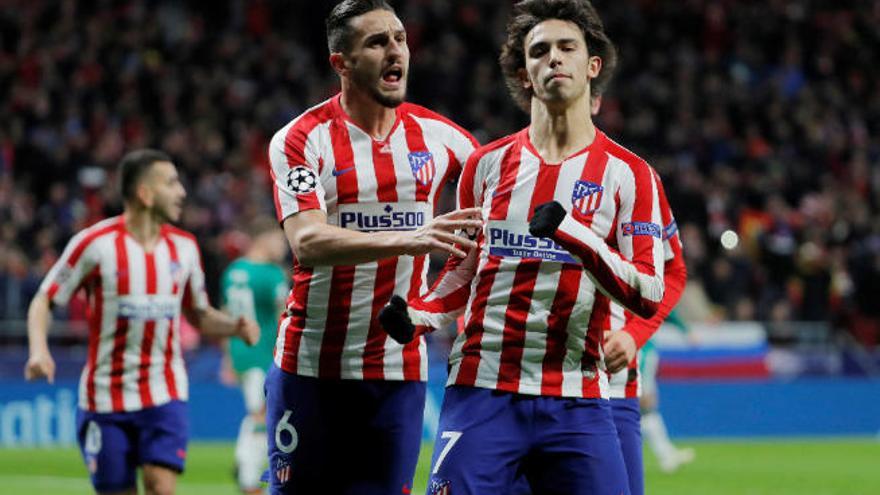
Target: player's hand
{"type": "Point", "coordinates": [248, 330]}
{"type": "Point", "coordinates": [546, 219]}
{"type": "Point", "coordinates": [620, 350]}
{"type": "Point", "coordinates": [394, 318]}
{"type": "Point", "coordinates": [40, 366]}
{"type": "Point", "coordinates": [440, 233]}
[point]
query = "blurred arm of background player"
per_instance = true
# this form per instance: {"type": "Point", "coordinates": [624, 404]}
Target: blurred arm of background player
{"type": "Point", "coordinates": [315, 242]}
{"type": "Point", "coordinates": [210, 321]}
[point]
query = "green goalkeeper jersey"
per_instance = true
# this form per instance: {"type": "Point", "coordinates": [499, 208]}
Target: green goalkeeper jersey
{"type": "Point", "coordinates": [258, 291]}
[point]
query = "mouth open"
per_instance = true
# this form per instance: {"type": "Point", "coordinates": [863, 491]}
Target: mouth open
{"type": "Point", "coordinates": [393, 75]}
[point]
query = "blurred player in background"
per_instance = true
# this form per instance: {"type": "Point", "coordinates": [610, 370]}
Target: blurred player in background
{"type": "Point", "coordinates": [669, 457]}
{"type": "Point", "coordinates": [526, 395]}
{"type": "Point", "coordinates": [355, 182]}
{"type": "Point", "coordinates": [255, 286]}
{"type": "Point", "coordinates": [138, 272]}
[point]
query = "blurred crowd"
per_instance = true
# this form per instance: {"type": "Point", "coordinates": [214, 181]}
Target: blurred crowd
{"type": "Point", "coordinates": [763, 118]}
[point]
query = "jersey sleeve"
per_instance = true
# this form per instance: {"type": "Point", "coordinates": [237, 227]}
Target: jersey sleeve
{"type": "Point", "coordinates": [295, 171]}
{"type": "Point", "coordinates": [461, 144]}
{"type": "Point", "coordinates": [674, 274]}
{"type": "Point", "coordinates": [71, 269]}
{"type": "Point", "coordinates": [631, 275]}
{"type": "Point", "coordinates": [447, 298]}
{"type": "Point", "coordinates": [194, 294]}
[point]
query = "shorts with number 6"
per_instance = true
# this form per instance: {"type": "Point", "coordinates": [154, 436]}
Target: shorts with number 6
{"type": "Point", "coordinates": [489, 441]}
{"type": "Point", "coordinates": [332, 436]}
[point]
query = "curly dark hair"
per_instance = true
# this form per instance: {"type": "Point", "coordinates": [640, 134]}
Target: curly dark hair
{"type": "Point", "coordinates": [529, 13]}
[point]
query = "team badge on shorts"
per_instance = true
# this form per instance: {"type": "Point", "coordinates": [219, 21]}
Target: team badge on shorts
{"type": "Point", "coordinates": [301, 180]}
{"type": "Point", "coordinates": [422, 165]}
{"type": "Point", "coordinates": [586, 197]}
{"type": "Point", "coordinates": [282, 470]}
{"type": "Point", "coordinates": [440, 487]}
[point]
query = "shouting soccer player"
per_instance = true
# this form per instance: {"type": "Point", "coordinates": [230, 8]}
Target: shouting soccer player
{"type": "Point", "coordinates": [137, 271]}
{"type": "Point", "coordinates": [355, 180]}
{"type": "Point", "coordinates": [572, 223]}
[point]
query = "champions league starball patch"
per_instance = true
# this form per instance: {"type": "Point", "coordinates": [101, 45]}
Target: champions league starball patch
{"type": "Point", "coordinates": [301, 180]}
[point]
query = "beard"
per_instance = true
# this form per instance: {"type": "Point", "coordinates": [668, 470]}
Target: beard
{"type": "Point", "coordinates": [367, 82]}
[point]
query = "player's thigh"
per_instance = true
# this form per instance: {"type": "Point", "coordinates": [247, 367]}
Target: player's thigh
{"type": "Point", "coordinates": [252, 389]}
{"type": "Point", "coordinates": [385, 442]}
{"type": "Point", "coordinates": [299, 434]}
{"type": "Point", "coordinates": [627, 420]}
{"type": "Point", "coordinates": [480, 441]}
{"type": "Point", "coordinates": [163, 432]}
{"type": "Point", "coordinates": [159, 480]}
{"type": "Point", "coordinates": [578, 452]}
{"type": "Point", "coordinates": [107, 445]}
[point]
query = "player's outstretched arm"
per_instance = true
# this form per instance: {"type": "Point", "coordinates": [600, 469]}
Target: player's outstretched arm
{"type": "Point", "coordinates": [40, 363]}
{"type": "Point", "coordinates": [315, 242]}
{"type": "Point", "coordinates": [215, 323]}
{"type": "Point", "coordinates": [636, 285]}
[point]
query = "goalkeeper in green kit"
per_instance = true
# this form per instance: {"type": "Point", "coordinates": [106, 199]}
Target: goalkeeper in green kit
{"type": "Point", "coordinates": [255, 286]}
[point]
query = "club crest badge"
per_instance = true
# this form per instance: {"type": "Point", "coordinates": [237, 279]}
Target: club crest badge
{"type": "Point", "coordinates": [586, 197]}
{"type": "Point", "coordinates": [422, 165]}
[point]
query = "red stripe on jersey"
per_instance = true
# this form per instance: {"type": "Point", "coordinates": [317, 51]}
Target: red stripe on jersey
{"type": "Point", "coordinates": [557, 324]}
{"type": "Point", "coordinates": [467, 372]}
{"type": "Point", "coordinates": [346, 183]}
{"type": "Point", "coordinates": [415, 141]}
{"type": "Point", "coordinates": [514, 335]}
{"type": "Point", "coordinates": [374, 349]}
{"type": "Point", "coordinates": [510, 164]}
{"type": "Point", "coordinates": [149, 335]}
{"type": "Point", "coordinates": [117, 364]}
{"type": "Point", "coordinates": [296, 304]}
{"type": "Point", "coordinates": [600, 321]}
{"type": "Point", "coordinates": [420, 111]}
{"type": "Point", "coordinates": [170, 381]}
{"type": "Point", "coordinates": [53, 289]}
{"type": "Point", "coordinates": [341, 284]}
{"type": "Point", "coordinates": [94, 316]}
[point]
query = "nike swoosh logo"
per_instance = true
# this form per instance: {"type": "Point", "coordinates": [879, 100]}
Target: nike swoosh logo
{"type": "Point", "coordinates": [337, 172]}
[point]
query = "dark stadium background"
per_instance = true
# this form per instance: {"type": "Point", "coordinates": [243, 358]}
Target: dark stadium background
{"type": "Point", "coordinates": [762, 117]}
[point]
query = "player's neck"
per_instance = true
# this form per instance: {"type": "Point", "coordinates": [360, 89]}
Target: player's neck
{"type": "Point", "coordinates": [375, 119]}
{"type": "Point", "coordinates": [143, 225]}
{"type": "Point", "coordinates": [557, 132]}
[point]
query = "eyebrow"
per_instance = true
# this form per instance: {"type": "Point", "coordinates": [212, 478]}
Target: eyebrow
{"type": "Point", "coordinates": [380, 34]}
{"type": "Point", "coordinates": [547, 42]}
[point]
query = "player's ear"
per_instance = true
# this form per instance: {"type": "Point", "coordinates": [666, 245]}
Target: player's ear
{"type": "Point", "coordinates": [339, 63]}
{"type": "Point", "coordinates": [524, 78]}
{"type": "Point", "coordinates": [144, 193]}
{"type": "Point", "coordinates": [594, 66]}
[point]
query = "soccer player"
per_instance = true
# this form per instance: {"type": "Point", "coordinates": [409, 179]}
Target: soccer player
{"type": "Point", "coordinates": [255, 286]}
{"type": "Point", "coordinates": [355, 181]}
{"type": "Point", "coordinates": [139, 273]}
{"type": "Point", "coordinates": [572, 223]}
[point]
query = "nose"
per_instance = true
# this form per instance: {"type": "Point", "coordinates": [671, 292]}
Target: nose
{"type": "Point", "coordinates": [396, 48]}
{"type": "Point", "coordinates": [555, 57]}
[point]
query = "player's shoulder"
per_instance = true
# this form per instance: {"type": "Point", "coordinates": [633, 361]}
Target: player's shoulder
{"type": "Point", "coordinates": [179, 235]}
{"type": "Point", "coordinates": [305, 122]}
{"type": "Point", "coordinates": [420, 112]}
{"type": "Point", "coordinates": [495, 149]}
{"type": "Point", "coordinates": [88, 235]}
{"type": "Point", "coordinates": [623, 154]}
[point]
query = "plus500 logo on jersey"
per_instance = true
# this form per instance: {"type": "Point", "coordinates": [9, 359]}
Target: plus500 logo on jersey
{"type": "Point", "coordinates": [148, 307]}
{"type": "Point", "coordinates": [377, 217]}
{"type": "Point", "coordinates": [512, 239]}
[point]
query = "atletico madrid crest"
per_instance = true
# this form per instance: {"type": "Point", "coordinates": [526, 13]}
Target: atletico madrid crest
{"type": "Point", "coordinates": [586, 197]}
{"type": "Point", "coordinates": [422, 165]}
{"type": "Point", "coordinates": [440, 487]}
{"type": "Point", "coordinates": [282, 471]}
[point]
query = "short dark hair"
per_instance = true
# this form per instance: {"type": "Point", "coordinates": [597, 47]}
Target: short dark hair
{"type": "Point", "coordinates": [529, 13]}
{"type": "Point", "coordinates": [339, 31]}
{"type": "Point", "coordinates": [133, 166]}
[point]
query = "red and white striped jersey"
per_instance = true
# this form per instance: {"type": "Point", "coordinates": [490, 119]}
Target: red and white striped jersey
{"type": "Point", "coordinates": [324, 160]}
{"type": "Point", "coordinates": [627, 383]}
{"type": "Point", "coordinates": [134, 306]}
{"type": "Point", "coordinates": [535, 307]}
